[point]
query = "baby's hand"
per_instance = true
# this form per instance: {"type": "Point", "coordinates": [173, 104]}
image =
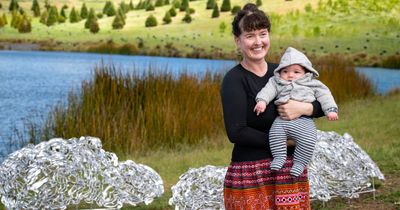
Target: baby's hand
{"type": "Point", "coordinates": [332, 116]}
{"type": "Point", "coordinates": [260, 107]}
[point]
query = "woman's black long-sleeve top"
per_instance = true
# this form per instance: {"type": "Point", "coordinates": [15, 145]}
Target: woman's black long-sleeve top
{"type": "Point", "coordinates": [244, 128]}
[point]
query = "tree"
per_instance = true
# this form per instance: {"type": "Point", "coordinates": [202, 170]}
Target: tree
{"type": "Point", "coordinates": [2, 24]}
{"type": "Point", "coordinates": [84, 11]}
{"type": "Point", "coordinates": [184, 5]}
{"type": "Point", "coordinates": [187, 18]}
{"type": "Point", "coordinates": [91, 17]}
{"type": "Point", "coordinates": [1, 6]}
{"type": "Point", "coordinates": [150, 7]}
{"type": "Point", "coordinates": [215, 12]}
{"type": "Point", "coordinates": [13, 5]}
{"type": "Point", "coordinates": [210, 4]}
{"type": "Point", "coordinates": [226, 6]}
{"type": "Point", "coordinates": [118, 23]}
{"type": "Point", "coordinates": [167, 18]}
{"type": "Point", "coordinates": [176, 4]}
{"type": "Point", "coordinates": [43, 17]}
{"type": "Point", "coordinates": [172, 12]}
{"type": "Point", "coordinates": [35, 8]}
{"type": "Point", "coordinates": [53, 16]}
{"type": "Point", "coordinates": [62, 13]}
{"type": "Point", "coordinates": [258, 3]}
{"type": "Point", "coordinates": [109, 9]}
{"type": "Point", "coordinates": [235, 10]}
{"type": "Point", "coordinates": [74, 16]}
{"type": "Point", "coordinates": [94, 26]}
{"type": "Point", "coordinates": [159, 3]}
{"type": "Point", "coordinates": [166, 2]}
{"type": "Point", "coordinates": [15, 19]}
{"type": "Point", "coordinates": [151, 21]}
{"type": "Point", "coordinates": [131, 7]}
{"type": "Point", "coordinates": [5, 19]}
{"type": "Point", "coordinates": [25, 25]}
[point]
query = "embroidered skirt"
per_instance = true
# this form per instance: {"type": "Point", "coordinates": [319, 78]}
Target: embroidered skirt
{"type": "Point", "coordinates": [252, 185]}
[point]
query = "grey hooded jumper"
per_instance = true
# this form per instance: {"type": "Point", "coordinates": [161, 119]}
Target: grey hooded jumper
{"type": "Point", "coordinates": [301, 130]}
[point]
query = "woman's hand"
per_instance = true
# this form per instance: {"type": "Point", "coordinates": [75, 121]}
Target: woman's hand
{"type": "Point", "coordinates": [294, 109]}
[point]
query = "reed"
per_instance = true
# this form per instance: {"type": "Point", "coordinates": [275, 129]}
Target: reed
{"type": "Point", "coordinates": [138, 113]}
{"type": "Point", "coordinates": [392, 61]}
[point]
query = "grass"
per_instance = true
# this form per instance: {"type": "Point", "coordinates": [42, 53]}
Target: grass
{"type": "Point", "coordinates": [361, 27]}
{"type": "Point", "coordinates": [371, 122]}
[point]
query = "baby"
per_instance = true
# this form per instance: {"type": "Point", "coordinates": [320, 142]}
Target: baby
{"type": "Point", "coordinates": [294, 79]}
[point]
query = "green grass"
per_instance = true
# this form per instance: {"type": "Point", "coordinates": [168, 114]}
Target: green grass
{"type": "Point", "coordinates": [362, 27]}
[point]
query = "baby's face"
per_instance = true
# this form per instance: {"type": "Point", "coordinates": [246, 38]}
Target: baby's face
{"type": "Point", "coordinates": [292, 72]}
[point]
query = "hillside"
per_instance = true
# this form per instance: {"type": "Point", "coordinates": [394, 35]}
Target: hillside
{"type": "Point", "coordinates": [367, 30]}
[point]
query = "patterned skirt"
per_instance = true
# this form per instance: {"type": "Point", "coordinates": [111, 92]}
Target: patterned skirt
{"type": "Point", "coordinates": [252, 185]}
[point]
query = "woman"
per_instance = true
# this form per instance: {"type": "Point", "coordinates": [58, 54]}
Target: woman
{"type": "Point", "coordinates": [249, 182]}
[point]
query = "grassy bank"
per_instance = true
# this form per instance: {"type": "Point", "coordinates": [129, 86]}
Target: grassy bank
{"type": "Point", "coordinates": [366, 31]}
{"type": "Point", "coordinates": [372, 122]}
{"type": "Point", "coordinates": [140, 113]}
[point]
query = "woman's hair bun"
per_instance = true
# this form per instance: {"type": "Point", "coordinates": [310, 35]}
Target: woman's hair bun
{"type": "Point", "coordinates": [250, 7]}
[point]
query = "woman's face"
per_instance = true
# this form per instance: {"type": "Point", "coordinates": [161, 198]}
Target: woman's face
{"type": "Point", "coordinates": [254, 45]}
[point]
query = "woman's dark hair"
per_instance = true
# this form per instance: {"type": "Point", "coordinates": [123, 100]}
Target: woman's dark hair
{"type": "Point", "coordinates": [250, 18]}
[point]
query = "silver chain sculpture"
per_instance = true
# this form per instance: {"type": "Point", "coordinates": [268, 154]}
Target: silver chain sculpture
{"type": "Point", "coordinates": [58, 173]}
{"type": "Point", "coordinates": [339, 168]}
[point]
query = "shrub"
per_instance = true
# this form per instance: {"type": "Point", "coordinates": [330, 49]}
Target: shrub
{"type": "Point", "coordinates": [109, 9]}
{"type": "Point", "coordinates": [187, 18]}
{"type": "Point", "coordinates": [226, 6]}
{"type": "Point", "coordinates": [308, 7]}
{"type": "Point", "coordinates": [167, 18]}
{"type": "Point", "coordinates": [172, 12]}
{"type": "Point", "coordinates": [159, 3]}
{"type": "Point", "coordinates": [215, 12]}
{"type": "Point", "coordinates": [84, 11]}
{"type": "Point", "coordinates": [210, 4]}
{"type": "Point", "coordinates": [235, 9]}
{"type": "Point", "coordinates": [25, 25]}
{"type": "Point", "coordinates": [151, 21]}
{"type": "Point", "coordinates": [99, 15]}
{"type": "Point", "coordinates": [94, 26]}
{"type": "Point", "coordinates": [74, 16]}
{"type": "Point", "coordinates": [150, 7]}
{"type": "Point", "coordinates": [2, 24]}
{"type": "Point", "coordinates": [62, 13]}
{"type": "Point", "coordinates": [176, 3]}
{"type": "Point", "coordinates": [191, 10]}
{"type": "Point", "coordinates": [5, 19]}
{"type": "Point", "coordinates": [43, 17]}
{"type": "Point", "coordinates": [35, 8]}
{"type": "Point", "coordinates": [131, 7]}
{"type": "Point", "coordinates": [258, 3]}
{"type": "Point", "coordinates": [118, 22]}
{"type": "Point", "coordinates": [184, 5]}
{"type": "Point", "coordinates": [222, 27]}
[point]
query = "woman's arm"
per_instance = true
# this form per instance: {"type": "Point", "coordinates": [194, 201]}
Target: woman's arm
{"type": "Point", "coordinates": [234, 105]}
{"type": "Point", "coordinates": [294, 109]}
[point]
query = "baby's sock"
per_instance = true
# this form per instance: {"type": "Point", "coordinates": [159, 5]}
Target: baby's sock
{"type": "Point", "coordinates": [277, 163]}
{"type": "Point", "coordinates": [297, 169]}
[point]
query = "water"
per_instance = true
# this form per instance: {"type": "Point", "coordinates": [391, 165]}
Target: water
{"type": "Point", "coordinates": [33, 82]}
{"type": "Point", "coordinates": [384, 80]}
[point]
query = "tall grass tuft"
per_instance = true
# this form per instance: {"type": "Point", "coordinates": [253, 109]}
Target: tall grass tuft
{"type": "Point", "coordinates": [392, 61]}
{"type": "Point", "coordinates": [135, 114]}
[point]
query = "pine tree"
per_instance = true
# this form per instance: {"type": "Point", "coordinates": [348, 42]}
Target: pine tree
{"type": "Point", "coordinates": [94, 26]}
{"type": "Point", "coordinates": [151, 21]}
{"type": "Point", "coordinates": [210, 4]}
{"type": "Point", "coordinates": [226, 6]}
{"type": "Point", "coordinates": [172, 12]}
{"type": "Point", "coordinates": [235, 9]}
{"type": "Point", "coordinates": [150, 7]}
{"type": "Point", "coordinates": [187, 18]}
{"type": "Point", "coordinates": [13, 5]}
{"type": "Point", "coordinates": [5, 19]}
{"type": "Point", "coordinates": [131, 7]}
{"type": "Point", "coordinates": [118, 23]}
{"type": "Point", "coordinates": [184, 5]}
{"type": "Point", "coordinates": [62, 13]}
{"type": "Point", "coordinates": [159, 3]}
{"type": "Point", "coordinates": [43, 17]}
{"type": "Point", "coordinates": [91, 17]}
{"type": "Point", "coordinates": [16, 19]}
{"type": "Point", "coordinates": [73, 16]}
{"type": "Point", "coordinates": [215, 12]}
{"type": "Point", "coordinates": [110, 10]}
{"type": "Point", "coordinates": [35, 8]}
{"type": "Point", "coordinates": [84, 11]}
{"type": "Point", "coordinates": [258, 3]}
{"type": "Point", "coordinates": [25, 25]}
{"type": "Point", "coordinates": [167, 18]}
{"type": "Point", "coordinates": [53, 16]}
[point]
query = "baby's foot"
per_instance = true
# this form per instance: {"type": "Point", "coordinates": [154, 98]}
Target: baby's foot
{"type": "Point", "coordinates": [277, 163]}
{"type": "Point", "coordinates": [297, 169]}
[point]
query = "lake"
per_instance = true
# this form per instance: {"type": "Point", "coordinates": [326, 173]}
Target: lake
{"type": "Point", "coordinates": [33, 82]}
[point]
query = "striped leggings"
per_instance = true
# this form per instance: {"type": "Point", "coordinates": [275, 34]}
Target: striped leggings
{"type": "Point", "coordinates": [303, 131]}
